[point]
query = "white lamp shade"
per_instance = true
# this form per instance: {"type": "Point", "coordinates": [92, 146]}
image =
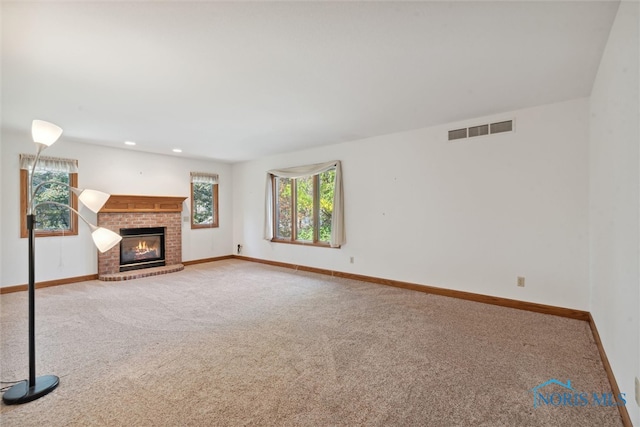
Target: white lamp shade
{"type": "Point", "coordinates": [105, 239]}
{"type": "Point", "coordinates": [93, 199]}
{"type": "Point", "coordinates": [44, 132]}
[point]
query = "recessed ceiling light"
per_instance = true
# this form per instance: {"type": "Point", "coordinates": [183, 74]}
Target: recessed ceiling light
{"type": "Point", "coordinates": [177, 150]}
{"type": "Point", "coordinates": [129, 143]}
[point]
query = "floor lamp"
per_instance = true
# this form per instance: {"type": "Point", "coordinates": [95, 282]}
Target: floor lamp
{"type": "Point", "coordinates": [44, 134]}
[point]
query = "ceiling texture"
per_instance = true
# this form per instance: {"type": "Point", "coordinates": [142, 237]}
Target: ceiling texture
{"type": "Point", "coordinates": [234, 81]}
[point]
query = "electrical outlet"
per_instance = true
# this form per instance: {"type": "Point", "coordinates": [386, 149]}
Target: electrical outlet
{"type": "Point", "coordinates": [638, 391]}
{"type": "Point", "coordinates": [352, 260]}
{"type": "Point", "coordinates": [521, 281]}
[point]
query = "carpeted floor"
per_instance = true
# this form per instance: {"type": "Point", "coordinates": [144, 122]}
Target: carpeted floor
{"type": "Point", "coordinates": [239, 343]}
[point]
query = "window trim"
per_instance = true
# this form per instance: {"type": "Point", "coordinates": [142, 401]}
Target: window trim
{"type": "Point", "coordinates": [215, 223]}
{"type": "Point", "coordinates": [294, 229]}
{"type": "Point", "coordinates": [24, 200]}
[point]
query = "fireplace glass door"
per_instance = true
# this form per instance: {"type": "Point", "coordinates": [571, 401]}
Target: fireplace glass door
{"type": "Point", "coordinates": [141, 248]}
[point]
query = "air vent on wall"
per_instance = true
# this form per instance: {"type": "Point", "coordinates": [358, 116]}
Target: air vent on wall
{"type": "Point", "coordinates": [502, 126]}
{"type": "Point", "coordinates": [478, 130]}
{"type": "Point", "coordinates": [498, 127]}
{"type": "Point", "coordinates": [457, 134]}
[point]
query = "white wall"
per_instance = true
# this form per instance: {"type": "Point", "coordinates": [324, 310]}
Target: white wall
{"type": "Point", "coordinates": [470, 215]}
{"type": "Point", "coordinates": [614, 198]}
{"type": "Point", "coordinates": [115, 171]}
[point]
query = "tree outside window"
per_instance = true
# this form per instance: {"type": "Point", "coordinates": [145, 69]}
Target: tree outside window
{"type": "Point", "coordinates": [283, 209]}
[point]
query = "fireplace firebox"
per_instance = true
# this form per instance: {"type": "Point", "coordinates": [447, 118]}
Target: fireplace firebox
{"type": "Point", "coordinates": [141, 248]}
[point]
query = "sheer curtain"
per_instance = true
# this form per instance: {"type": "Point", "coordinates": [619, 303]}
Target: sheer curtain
{"type": "Point", "coordinates": [49, 163]}
{"type": "Point", "coordinates": [204, 177]}
{"type": "Point", "coordinates": [337, 218]}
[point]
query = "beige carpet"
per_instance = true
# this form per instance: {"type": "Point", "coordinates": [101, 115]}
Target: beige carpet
{"type": "Point", "coordinates": [239, 343]}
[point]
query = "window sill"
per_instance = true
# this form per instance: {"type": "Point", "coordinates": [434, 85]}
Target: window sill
{"type": "Point", "coordinates": [299, 243]}
{"type": "Point", "coordinates": [201, 227]}
{"type": "Point", "coordinates": [51, 234]}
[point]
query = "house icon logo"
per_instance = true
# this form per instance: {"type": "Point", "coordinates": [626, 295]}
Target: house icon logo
{"type": "Point", "coordinates": [537, 393]}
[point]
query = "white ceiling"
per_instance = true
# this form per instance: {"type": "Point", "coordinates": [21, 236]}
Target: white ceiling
{"type": "Point", "coordinates": [236, 81]}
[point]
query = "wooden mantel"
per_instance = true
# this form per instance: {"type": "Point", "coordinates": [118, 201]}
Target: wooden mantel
{"type": "Point", "coordinates": [131, 203]}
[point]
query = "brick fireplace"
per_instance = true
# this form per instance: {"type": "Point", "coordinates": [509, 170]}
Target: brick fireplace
{"type": "Point", "coordinates": [128, 211]}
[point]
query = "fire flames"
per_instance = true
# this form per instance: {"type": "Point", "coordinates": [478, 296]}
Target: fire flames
{"type": "Point", "coordinates": [142, 248]}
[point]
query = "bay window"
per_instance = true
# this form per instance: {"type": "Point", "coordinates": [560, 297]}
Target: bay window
{"type": "Point", "coordinates": [304, 205]}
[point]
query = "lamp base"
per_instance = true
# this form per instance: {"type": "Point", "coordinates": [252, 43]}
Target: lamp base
{"type": "Point", "coordinates": [22, 393]}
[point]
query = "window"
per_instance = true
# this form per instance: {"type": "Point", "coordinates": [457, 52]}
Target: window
{"type": "Point", "coordinates": [204, 200]}
{"type": "Point", "coordinates": [50, 220]}
{"type": "Point", "coordinates": [304, 205]}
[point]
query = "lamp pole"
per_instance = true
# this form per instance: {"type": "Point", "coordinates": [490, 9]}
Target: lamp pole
{"type": "Point", "coordinates": [31, 219]}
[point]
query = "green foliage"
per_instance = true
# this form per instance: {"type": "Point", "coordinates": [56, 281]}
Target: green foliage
{"type": "Point", "coordinates": [283, 208]}
{"type": "Point", "coordinates": [50, 217]}
{"type": "Point", "coordinates": [327, 184]}
{"type": "Point", "coordinates": [304, 208]}
{"type": "Point", "coordinates": [202, 203]}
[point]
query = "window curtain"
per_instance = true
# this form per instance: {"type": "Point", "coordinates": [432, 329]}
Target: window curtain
{"type": "Point", "coordinates": [203, 177]}
{"type": "Point", "coordinates": [49, 163]}
{"type": "Point", "coordinates": [337, 218]}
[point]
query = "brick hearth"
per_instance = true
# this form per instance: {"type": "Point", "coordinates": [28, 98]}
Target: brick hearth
{"type": "Point", "coordinates": [141, 211]}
